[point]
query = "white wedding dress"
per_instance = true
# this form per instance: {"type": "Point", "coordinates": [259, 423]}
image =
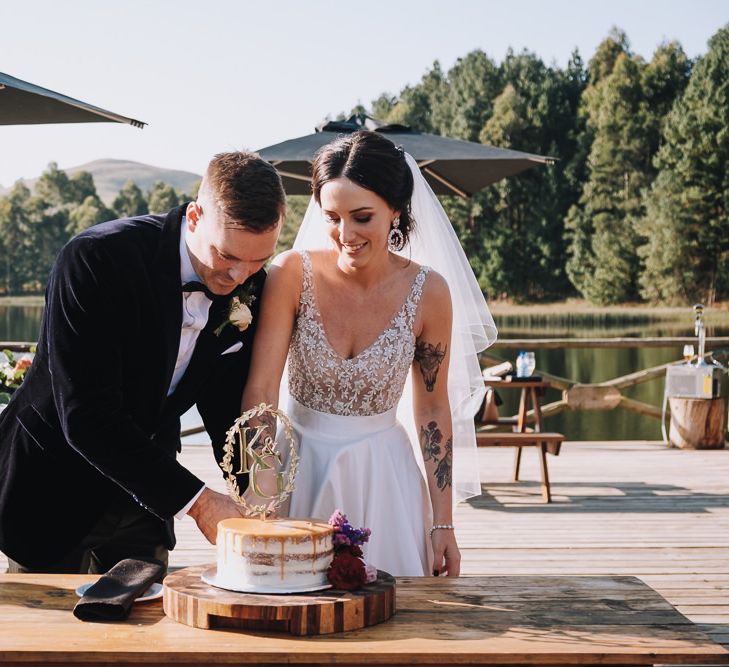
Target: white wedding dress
{"type": "Point", "coordinates": [354, 454]}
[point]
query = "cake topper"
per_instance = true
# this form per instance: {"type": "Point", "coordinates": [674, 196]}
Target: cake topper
{"type": "Point", "coordinates": [258, 453]}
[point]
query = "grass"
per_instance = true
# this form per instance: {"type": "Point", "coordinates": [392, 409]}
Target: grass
{"type": "Point", "coordinates": [36, 300]}
{"type": "Point", "coordinates": [719, 313]}
{"type": "Point", "coordinates": [574, 309]}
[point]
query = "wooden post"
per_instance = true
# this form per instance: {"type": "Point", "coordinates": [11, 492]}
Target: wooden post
{"type": "Point", "coordinates": [546, 491]}
{"type": "Point", "coordinates": [697, 423]}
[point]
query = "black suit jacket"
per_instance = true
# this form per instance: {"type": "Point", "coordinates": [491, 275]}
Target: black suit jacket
{"type": "Point", "coordinates": [91, 425]}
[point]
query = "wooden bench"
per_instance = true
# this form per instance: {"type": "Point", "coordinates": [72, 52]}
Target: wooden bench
{"type": "Point", "coordinates": [544, 442]}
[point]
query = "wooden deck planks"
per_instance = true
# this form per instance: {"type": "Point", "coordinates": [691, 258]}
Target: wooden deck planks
{"type": "Point", "coordinates": [620, 508]}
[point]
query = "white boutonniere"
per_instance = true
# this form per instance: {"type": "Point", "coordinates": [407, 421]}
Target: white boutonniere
{"type": "Point", "coordinates": [239, 311]}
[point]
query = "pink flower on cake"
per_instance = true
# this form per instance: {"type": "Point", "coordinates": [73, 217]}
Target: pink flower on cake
{"type": "Point", "coordinates": [344, 533]}
{"type": "Point", "coordinates": [348, 570]}
{"type": "Point", "coordinates": [371, 573]}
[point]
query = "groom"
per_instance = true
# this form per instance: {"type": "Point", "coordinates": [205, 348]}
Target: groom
{"type": "Point", "coordinates": [133, 334]}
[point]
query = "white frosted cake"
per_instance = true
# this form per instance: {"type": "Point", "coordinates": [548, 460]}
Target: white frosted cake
{"type": "Point", "coordinates": [275, 555]}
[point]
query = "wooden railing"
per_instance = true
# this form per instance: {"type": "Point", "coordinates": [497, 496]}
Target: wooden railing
{"type": "Point", "coordinates": [16, 346]}
{"type": "Point", "coordinates": [603, 395]}
{"type": "Point", "coordinates": [558, 343]}
{"type": "Point", "coordinates": [575, 395]}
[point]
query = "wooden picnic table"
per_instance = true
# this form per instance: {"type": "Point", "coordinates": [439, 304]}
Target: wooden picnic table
{"type": "Point", "coordinates": [530, 391]}
{"type": "Point", "coordinates": [522, 435]}
{"type": "Point", "coordinates": [498, 620]}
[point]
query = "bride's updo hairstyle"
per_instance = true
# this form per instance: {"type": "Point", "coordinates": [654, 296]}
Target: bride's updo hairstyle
{"type": "Point", "coordinates": [373, 162]}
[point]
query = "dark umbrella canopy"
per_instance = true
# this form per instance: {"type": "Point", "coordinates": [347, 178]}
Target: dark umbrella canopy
{"type": "Point", "coordinates": [451, 166]}
{"type": "Point", "coordinates": [23, 103]}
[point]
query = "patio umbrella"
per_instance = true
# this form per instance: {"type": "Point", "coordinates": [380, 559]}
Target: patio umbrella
{"type": "Point", "coordinates": [23, 103]}
{"type": "Point", "coordinates": [451, 166]}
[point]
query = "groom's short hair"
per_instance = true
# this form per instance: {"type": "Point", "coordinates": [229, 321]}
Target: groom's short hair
{"type": "Point", "coordinates": [246, 189]}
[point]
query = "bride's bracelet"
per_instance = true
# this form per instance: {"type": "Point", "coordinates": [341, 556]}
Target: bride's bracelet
{"type": "Point", "coordinates": [441, 526]}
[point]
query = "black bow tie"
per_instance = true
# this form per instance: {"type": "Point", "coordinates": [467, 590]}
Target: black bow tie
{"type": "Point", "coordinates": [196, 286]}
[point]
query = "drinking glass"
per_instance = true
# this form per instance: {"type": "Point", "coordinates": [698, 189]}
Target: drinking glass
{"type": "Point", "coordinates": [531, 362]}
{"type": "Point", "coordinates": [688, 353]}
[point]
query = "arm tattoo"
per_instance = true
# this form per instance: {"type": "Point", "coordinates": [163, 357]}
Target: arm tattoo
{"type": "Point", "coordinates": [429, 359]}
{"type": "Point", "coordinates": [430, 441]}
{"type": "Point", "coordinates": [443, 474]}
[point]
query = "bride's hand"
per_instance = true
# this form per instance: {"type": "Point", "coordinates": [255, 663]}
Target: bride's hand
{"type": "Point", "coordinates": [445, 549]}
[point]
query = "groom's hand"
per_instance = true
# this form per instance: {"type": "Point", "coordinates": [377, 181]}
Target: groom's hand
{"type": "Point", "coordinates": [210, 508]}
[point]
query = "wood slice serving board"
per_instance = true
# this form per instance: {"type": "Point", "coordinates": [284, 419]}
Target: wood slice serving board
{"type": "Point", "coordinates": [189, 600]}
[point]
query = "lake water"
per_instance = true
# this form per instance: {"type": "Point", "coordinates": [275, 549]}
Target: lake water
{"type": "Point", "coordinates": [592, 365]}
{"type": "Point", "coordinates": [22, 323]}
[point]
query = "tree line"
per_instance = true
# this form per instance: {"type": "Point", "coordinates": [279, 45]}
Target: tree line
{"type": "Point", "coordinates": [634, 209]}
{"type": "Point", "coordinates": [34, 225]}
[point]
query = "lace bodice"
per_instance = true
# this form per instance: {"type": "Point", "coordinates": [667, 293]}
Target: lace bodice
{"type": "Point", "coordinates": [368, 384]}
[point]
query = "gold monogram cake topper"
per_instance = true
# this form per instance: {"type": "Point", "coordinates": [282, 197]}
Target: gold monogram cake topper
{"type": "Point", "coordinates": [258, 453]}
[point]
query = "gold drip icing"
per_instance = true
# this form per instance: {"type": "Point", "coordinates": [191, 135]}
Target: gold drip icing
{"type": "Point", "coordinates": [239, 533]}
{"type": "Point", "coordinates": [298, 530]}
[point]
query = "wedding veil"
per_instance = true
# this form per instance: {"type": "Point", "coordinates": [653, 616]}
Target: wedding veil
{"type": "Point", "coordinates": [434, 243]}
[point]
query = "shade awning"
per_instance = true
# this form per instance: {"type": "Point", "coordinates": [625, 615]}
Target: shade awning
{"type": "Point", "coordinates": [451, 166]}
{"type": "Point", "coordinates": [23, 103]}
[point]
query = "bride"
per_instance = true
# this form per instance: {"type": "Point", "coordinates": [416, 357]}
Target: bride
{"type": "Point", "coordinates": [356, 307]}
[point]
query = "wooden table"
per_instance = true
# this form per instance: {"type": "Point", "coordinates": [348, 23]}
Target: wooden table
{"type": "Point", "coordinates": [522, 435]}
{"type": "Point", "coordinates": [530, 392]}
{"type": "Point", "coordinates": [531, 620]}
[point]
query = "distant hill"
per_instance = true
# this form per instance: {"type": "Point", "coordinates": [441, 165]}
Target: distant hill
{"type": "Point", "coordinates": [111, 175]}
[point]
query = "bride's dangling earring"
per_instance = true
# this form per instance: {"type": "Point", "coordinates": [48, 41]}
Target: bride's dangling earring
{"type": "Point", "coordinates": [395, 239]}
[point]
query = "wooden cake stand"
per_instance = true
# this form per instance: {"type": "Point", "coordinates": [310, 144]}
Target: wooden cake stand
{"type": "Point", "coordinates": [189, 600]}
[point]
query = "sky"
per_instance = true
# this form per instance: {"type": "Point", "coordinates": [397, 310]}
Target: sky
{"type": "Point", "coordinates": [217, 75]}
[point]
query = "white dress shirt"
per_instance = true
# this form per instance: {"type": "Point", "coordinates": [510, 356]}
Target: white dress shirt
{"type": "Point", "coordinates": [195, 309]}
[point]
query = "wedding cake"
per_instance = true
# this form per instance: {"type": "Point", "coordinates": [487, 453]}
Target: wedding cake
{"type": "Point", "coordinates": [275, 555]}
